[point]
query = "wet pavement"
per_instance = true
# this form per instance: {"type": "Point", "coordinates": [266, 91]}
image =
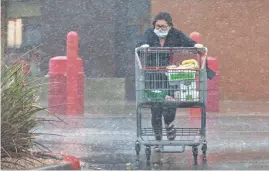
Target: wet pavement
{"type": "Point", "coordinates": [107, 142]}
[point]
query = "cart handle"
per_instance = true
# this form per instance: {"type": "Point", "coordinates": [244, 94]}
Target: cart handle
{"type": "Point", "coordinates": [202, 50]}
{"type": "Point", "coordinates": [137, 58]}
{"type": "Point", "coordinates": [204, 60]}
{"type": "Point", "coordinates": [191, 49]}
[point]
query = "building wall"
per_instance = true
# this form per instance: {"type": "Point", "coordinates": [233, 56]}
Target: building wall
{"type": "Point", "coordinates": [236, 33]}
{"type": "Point", "coordinates": [3, 27]}
{"type": "Point", "coordinates": [95, 23]}
{"type": "Point", "coordinates": [22, 27]}
{"type": "Point", "coordinates": [107, 30]}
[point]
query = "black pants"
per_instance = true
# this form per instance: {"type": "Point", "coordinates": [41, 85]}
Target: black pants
{"type": "Point", "coordinates": [157, 112]}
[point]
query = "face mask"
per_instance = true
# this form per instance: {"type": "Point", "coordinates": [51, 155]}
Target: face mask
{"type": "Point", "coordinates": [161, 33]}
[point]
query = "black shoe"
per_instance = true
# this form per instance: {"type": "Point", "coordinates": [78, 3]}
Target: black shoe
{"type": "Point", "coordinates": [171, 132]}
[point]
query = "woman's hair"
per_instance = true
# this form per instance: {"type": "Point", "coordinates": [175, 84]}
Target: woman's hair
{"type": "Point", "coordinates": [163, 16]}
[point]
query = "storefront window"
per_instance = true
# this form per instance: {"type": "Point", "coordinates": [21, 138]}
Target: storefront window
{"type": "Point", "coordinates": [14, 33]}
{"type": "Point", "coordinates": [23, 32]}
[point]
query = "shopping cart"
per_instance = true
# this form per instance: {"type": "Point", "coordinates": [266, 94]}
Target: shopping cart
{"type": "Point", "coordinates": [160, 79]}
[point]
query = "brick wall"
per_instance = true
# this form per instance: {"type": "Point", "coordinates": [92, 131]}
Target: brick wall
{"type": "Point", "coordinates": [236, 33]}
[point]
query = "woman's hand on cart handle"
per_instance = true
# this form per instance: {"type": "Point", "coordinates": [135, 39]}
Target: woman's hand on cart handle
{"type": "Point", "coordinates": [144, 46]}
{"type": "Point", "coordinates": [203, 52]}
{"type": "Point", "coordinates": [201, 49]}
{"type": "Point", "coordinates": [137, 58]}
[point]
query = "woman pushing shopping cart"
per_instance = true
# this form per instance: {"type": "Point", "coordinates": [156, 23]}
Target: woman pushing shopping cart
{"type": "Point", "coordinates": [171, 73]}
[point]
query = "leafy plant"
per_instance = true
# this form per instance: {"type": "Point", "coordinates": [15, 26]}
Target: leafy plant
{"type": "Point", "coordinates": [19, 105]}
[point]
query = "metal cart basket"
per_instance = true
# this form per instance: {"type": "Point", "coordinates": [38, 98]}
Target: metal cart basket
{"type": "Point", "coordinates": [161, 79]}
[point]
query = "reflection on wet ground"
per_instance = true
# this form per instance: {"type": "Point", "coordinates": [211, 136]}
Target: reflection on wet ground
{"type": "Point", "coordinates": [107, 142]}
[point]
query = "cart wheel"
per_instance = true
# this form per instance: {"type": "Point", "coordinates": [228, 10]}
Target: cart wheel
{"type": "Point", "coordinates": [204, 149]}
{"type": "Point", "coordinates": [148, 153]}
{"type": "Point", "coordinates": [195, 153]}
{"type": "Point", "coordinates": [137, 149]}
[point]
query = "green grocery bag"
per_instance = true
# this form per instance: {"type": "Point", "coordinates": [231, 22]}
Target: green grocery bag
{"type": "Point", "coordinates": [155, 95]}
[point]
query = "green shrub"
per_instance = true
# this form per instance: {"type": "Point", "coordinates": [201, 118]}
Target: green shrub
{"type": "Point", "coordinates": [19, 105]}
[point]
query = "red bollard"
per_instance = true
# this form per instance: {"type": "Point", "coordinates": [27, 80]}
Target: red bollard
{"type": "Point", "coordinates": [66, 80]}
{"type": "Point", "coordinates": [195, 36]}
{"type": "Point", "coordinates": [57, 85]}
{"type": "Point", "coordinates": [81, 82]}
{"type": "Point", "coordinates": [72, 70]}
{"type": "Point", "coordinates": [213, 94]}
{"type": "Point", "coordinates": [212, 104]}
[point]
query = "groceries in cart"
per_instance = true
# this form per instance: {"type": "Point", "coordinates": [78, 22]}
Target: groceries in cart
{"type": "Point", "coordinates": [183, 76]}
{"type": "Point", "coordinates": [187, 92]}
{"type": "Point", "coordinates": [185, 71]}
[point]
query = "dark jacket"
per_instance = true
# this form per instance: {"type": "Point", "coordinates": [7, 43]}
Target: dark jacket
{"type": "Point", "coordinates": [175, 38]}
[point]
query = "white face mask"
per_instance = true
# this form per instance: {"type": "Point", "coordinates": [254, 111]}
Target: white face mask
{"type": "Point", "coordinates": [161, 33]}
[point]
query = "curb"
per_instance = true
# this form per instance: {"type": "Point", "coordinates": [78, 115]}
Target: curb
{"type": "Point", "coordinates": [65, 166]}
{"type": "Point", "coordinates": [72, 163]}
